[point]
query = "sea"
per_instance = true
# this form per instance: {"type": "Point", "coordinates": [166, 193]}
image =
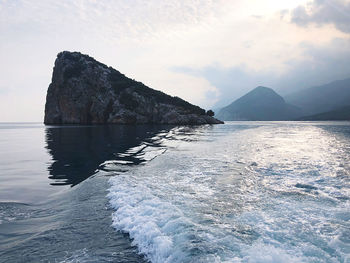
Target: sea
{"type": "Point", "coordinates": [238, 192]}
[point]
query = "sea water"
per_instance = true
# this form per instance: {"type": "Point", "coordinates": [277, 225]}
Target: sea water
{"type": "Point", "coordinates": [238, 192]}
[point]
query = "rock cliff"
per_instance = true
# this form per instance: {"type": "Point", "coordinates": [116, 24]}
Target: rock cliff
{"type": "Point", "coordinates": [85, 91]}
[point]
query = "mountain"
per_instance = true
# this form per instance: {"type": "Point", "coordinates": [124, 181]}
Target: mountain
{"type": "Point", "coordinates": [216, 110]}
{"type": "Point", "coordinates": [260, 104]}
{"type": "Point", "coordinates": [339, 114]}
{"type": "Point", "coordinates": [322, 98]}
{"type": "Point", "coordinates": [85, 91]}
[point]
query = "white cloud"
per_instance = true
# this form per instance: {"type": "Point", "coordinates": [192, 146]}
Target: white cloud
{"type": "Point", "coordinates": [146, 39]}
{"type": "Point", "coordinates": [319, 65]}
{"type": "Point", "coordinates": [323, 12]}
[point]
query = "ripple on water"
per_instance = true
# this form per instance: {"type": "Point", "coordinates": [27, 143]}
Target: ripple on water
{"type": "Point", "coordinates": [12, 211]}
{"type": "Point", "coordinates": [255, 193]}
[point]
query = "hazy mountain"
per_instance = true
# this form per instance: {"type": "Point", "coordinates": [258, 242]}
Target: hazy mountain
{"type": "Point", "coordinates": [342, 113]}
{"type": "Point", "coordinates": [259, 104]}
{"type": "Point", "coordinates": [216, 110]}
{"type": "Point", "coordinates": [322, 98]}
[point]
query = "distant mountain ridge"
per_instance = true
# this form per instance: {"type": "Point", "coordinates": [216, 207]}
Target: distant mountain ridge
{"type": "Point", "coordinates": [322, 98]}
{"type": "Point", "coordinates": [260, 104]}
{"type": "Point", "coordinates": [342, 113]}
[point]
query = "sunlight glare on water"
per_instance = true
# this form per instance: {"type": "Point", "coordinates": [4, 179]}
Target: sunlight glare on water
{"type": "Point", "coordinates": [241, 192]}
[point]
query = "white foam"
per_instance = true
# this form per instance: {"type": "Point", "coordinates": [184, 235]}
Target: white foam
{"type": "Point", "coordinates": [262, 253]}
{"type": "Point", "coordinates": [154, 225]}
{"type": "Point", "coordinates": [195, 203]}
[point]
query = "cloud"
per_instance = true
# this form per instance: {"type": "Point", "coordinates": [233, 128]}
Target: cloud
{"type": "Point", "coordinates": [321, 12]}
{"type": "Point", "coordinates": [4, 91]}
{"type": "Point", "coordinates": [122, 34]}
{"type": "Point", "coordinates": [318, 65]}
{"type": "Point", "coordinates": [117, 19]}
{"type": "Point", "coordinates": [200, 50]}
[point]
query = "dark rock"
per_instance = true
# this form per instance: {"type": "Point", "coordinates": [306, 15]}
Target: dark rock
{"type": "Point", "coordinates": [85, 91]}
{"type": "Point", "coordinates": [210, 113]}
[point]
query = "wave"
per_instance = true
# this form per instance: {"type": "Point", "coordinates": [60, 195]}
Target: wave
{"type": "Point", "coordinates": [156, 226]}
{"type": "Point", "coordinates": [212, 202]}
{"type": "Point", "coordinates": [162, 233]}
{"type": "Point", "coordinates": [12, 211]}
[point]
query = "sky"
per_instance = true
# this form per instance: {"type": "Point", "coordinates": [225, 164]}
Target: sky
{"type": "Point", "coordinates": [209, 52]}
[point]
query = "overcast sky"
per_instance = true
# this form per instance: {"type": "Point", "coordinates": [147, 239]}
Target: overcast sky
{"type": "Point", "coordinates": [208, 52]}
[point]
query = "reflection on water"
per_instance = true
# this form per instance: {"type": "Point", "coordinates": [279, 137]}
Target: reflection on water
{"type": "Point", "coordinates": [78, 151]}
{"type": "Point", "coordinates": [67, 224]}
{"type": "Point", "coordinates": [242, 192]}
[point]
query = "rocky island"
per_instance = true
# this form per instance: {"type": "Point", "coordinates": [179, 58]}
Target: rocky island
{"type": "Point", "coordinates": [85, 91]}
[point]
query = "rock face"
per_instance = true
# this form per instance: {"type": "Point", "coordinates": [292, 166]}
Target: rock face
{"type": "Point", "coordinates": [260, 104]}
{"type": "Point", "coordinates": [85, 91]}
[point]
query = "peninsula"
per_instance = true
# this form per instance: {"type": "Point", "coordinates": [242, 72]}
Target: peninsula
{"type": "Point", "coordinates": [85, 91]}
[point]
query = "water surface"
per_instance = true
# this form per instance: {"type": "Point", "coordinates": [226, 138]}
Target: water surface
{"type": "Point", "coordinates": [239, 192]}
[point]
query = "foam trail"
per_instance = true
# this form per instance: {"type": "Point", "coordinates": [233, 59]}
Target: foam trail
{"type": "Point", "coordinates": [156, 226]}
{"type": "Point", "coordinates": [253, 195]}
